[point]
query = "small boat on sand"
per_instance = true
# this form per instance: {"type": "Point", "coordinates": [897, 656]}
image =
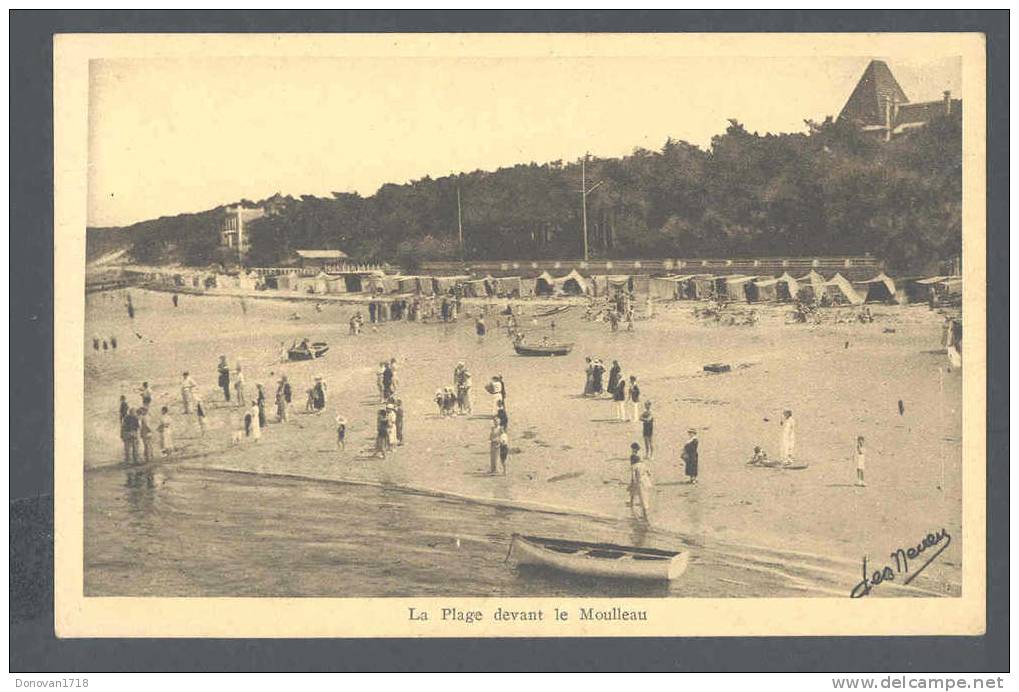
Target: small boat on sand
{"type": "Point", "coordinates": [605, 560]}
{"type": "Point", "coordinates": [548, 349]}
{"type": "Point", "coordinates": [308, 351]}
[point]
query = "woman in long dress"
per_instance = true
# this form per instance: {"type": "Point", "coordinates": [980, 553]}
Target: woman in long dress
{"type": "Point", "coordinates": [256, 429]}
{"type": "Point", "coordinates": [589, 381]}
{"type": "Point", "coordinates": [788, 453]}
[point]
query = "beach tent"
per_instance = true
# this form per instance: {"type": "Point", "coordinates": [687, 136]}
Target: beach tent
{"type": "Point", "coordinates": [354, 283]}
{"type": "Point", "coordinates": [246, 281]}
{"type": "Point", "coordinates": [336, 284]}
{"type": "Point", "coordinates": [508, 286]}
{"type": "Point", "coordinates": [739, 288]}
{"type": "Point", "coordinates": [663, 288]}
{"type": "Point", "coordinates": [526, 288]}
{"type": "Point", "coordinates": [286, 282]}
{"type": "Point", "coordinates": [390, 284]}
{"type": "Point", "coordinates": [572, 284]}
{"type": "Point", "coordinates": [767, 290]}
{"type": "Point", "coordinates": [475, 288]}
{"type": "Point", "coordinates": [544, 285]}
{"type": "Point", "coordinates": [840, 290]}
{"type": "Point", "coordinates": [811, 287]}
{"type": "Point", "coordinates": [640, 283]}
{"type": "Point", "coordinates": [787, 288]}
{"type": "Point", "coordinates": [408, 284]}
{"type": "Point", "coordinates": [880, 289]}
{"type": "Point", "coordinates": [445, 284]}
{"type": "Point", "coordinates": [426, 285]}
{"type": "Point", "coordinates": [703, 287]}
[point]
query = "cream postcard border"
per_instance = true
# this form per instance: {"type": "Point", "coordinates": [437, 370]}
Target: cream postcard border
{"type": "Point", "coordinates": [78, 616]}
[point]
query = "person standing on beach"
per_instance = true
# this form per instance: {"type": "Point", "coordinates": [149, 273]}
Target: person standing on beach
{"type": "Point", "coordinates": [242, 400]}
{"type": "Point", "coordinates": [95, 342]}
{"type": "Point", "coordinates": [861, 461]}
{"type": "Point", "coordinates": [635, 397]}
{"type": "Point", "coordinates": [387, 381]}
{"type": "Point", "coordinates": [391, 427]}
{"type": "Point", "coordinates": [260, 401]}
{"type": "Point", "coordinates": [341, 431]}
{"type": "Point", "coordinates": [381, 432]}
{"type": "Point", "coordinates": [256, 429]}
{"type": "Point", "coordinates": [598, 372]}
{"type": "Point", "coordinates": [788, 447]}
{"type": "Point", "coordinates": [318, 392]}
{"type": "Point", "coordinates": [494, 444]}
{"type": "Point", "coordinates": [165, 431]}
{"type": "Point", "coordinates": [113, 343]}
{"type": "Point", "coordinates": [224, 377]}
{"type": "Point", "coordinates": [619, 397]}
{"type": "Point", "coordinates": [614, 372]}
{"type": "Point", "coordinates": [124, 408]}
{"type": "Point", "coordinates": [398, 409]}
{"type": "Point", "coordinates": [588, 377]}
{"type": "Point", "coordinates": [146, 395]}
{"type": "Point", "coordinates": [690, 457]}
{"type": "Point", "coordinates": [465, 390]}
{"type": "Point", "coordinates": [129, 428]}
{"type": "Point", "coordinates": [145, 430]}
{"type": "Point", "coordinates": [187, 390]}
{"type": "Point", "coordinates": [641, 486]}
{"type": "Point", "coordinates": [175, 299]}
{"type": "Point", "coordinates": [647, 420]}
{"type": "Point", "coordinates": [503, 449]}
{"type": "Point", "coordinates": [281, 404]}
{"type": "Point", "coordinates": [200, 413]}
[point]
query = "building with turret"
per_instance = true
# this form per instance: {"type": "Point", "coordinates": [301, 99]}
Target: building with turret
{"type": "Point", "coordinates": [880, 106]}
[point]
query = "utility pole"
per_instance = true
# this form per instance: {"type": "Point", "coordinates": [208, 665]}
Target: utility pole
{"type": "Point", "coordinates": [584, 193]}
{"type": "Point", "coordinates": [459, 222]}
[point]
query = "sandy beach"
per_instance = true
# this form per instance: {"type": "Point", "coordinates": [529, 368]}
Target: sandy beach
{"type": "Point", "coordinates": [567, 451]}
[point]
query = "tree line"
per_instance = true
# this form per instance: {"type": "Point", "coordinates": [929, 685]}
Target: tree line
{"type": "Point", "coordinates": [831, 190]}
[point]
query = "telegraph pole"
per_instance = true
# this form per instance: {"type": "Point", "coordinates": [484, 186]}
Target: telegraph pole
{"type": "Point", "coordinates": [459, 222]}
{"type": "Point", "coordinates": [584, 193]}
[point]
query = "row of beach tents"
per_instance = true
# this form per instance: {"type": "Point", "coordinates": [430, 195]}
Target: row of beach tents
{"type": "Point", "coordinates": [813, 287]}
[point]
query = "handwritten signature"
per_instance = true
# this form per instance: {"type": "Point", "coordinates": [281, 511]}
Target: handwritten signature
{"type": "Point", "coordinates": [902, 558]}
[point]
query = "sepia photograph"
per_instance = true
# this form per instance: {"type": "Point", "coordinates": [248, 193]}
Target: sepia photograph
{"type": "Point", "coordinates": [499, 334]}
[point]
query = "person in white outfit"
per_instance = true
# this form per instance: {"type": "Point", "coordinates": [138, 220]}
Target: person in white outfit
{"type": "Point", "coordinates": [495, 389]}
{"type": "Point", "coordinates": [256, 429]}
{"type": "Point", "coordinates": [788, 448]}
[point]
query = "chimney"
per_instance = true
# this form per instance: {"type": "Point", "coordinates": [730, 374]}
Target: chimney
{"type": "Point", "coordinates": [948, 102]}
{"type": "Point", "coordinates": [888, 118]}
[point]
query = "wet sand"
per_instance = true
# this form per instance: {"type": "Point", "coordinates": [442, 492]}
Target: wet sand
{"type": "Point", "coordinates": [568, 452]}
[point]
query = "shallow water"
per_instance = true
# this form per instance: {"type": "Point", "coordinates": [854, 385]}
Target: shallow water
{"type": "Point", "coordinates": [164, 531]}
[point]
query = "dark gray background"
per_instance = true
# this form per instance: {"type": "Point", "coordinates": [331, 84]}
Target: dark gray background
{"type": "Point", "coordinates": [33, 646]}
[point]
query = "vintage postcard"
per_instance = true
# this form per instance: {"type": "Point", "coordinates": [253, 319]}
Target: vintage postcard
{"type": "Point", "coordinates": [519, 335]}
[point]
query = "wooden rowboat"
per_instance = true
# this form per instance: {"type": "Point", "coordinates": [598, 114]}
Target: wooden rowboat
{"type": "Point", "coordinates": [315, 350]}
{"type": "Point", "coordinates": [543, 350]}
{"type": "Point", "coordinates": [599, 559]}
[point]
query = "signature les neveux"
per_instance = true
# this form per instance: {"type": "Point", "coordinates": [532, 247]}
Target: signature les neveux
{"type": "Point", "coordinates": [902, 558]}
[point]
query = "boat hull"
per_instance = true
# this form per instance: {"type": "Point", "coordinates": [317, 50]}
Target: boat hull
{"type": "Point", "coordinates": [316, 351]}
{"type": "Point", "coordinates": [631, 564]}
{"type": "Point", "coordinates": [543, 351]}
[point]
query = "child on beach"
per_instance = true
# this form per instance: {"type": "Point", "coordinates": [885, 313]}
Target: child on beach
{"type": "Point", "coordinates": [758, 458]}
{"type": "Point", "coordinates": [440, 401]}
{"type": "Point", "coordinates": [861, 461]}
{"type": "Point", "coordinates": [341, 431]}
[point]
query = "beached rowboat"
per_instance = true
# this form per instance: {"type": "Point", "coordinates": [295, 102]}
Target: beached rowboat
{"type": "Point", "coordinates": [543, 350]}
{"type": "Point", "coordinates": [315, 350]}
{"type": "Point", "coordinates": [599, 559]}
